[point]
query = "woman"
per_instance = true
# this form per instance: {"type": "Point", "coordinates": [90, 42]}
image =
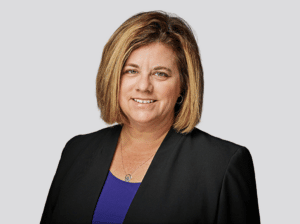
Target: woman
{"type": "Point", "coordinates": [154, 166]}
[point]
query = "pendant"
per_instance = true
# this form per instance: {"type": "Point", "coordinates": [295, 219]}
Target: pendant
{"type": "Point", "coordinates": [127, 177]}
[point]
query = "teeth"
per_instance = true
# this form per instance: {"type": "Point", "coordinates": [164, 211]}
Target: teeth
{"type": "Point", "coordinates": [143, 101]}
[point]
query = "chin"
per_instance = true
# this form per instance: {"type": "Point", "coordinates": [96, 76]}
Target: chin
{"type": "Point", "coordinates": [142, 119]}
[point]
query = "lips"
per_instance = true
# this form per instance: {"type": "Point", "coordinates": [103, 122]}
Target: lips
{"type": "Point", "coordinates": [145, 101]}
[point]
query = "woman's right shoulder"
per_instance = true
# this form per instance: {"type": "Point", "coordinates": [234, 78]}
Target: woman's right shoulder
{"type": "Point", "coordinates": [82, 141]}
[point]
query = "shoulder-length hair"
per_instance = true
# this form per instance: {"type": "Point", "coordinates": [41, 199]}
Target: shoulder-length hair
{"type": "Point", "coordinates": [140, 30]}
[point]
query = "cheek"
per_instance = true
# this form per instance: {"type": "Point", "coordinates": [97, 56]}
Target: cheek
{"type": "Point", "coordinates": [170, 93]}
{"type": "Point", "coordinates": [122, 95]}
{"type": "Point", "coordinates": [124, 86]}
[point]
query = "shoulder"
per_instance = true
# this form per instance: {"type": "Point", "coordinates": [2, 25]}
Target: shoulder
{"type": "Point", "coordinates": [209, 158]}
{"type": "Point", "coordinates": [208, 148]}
{"type": "Point", "coordinates": [212, 143]}
{"type": "Point", "coordinates": [79, 142]}
{"type": "Point", "coordinates": [99, 135]}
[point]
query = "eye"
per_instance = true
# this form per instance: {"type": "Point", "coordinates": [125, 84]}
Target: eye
{"type": "Point", "coordinates": [161, 74]}
{"type": "Point", "coordinates": [130, 71]}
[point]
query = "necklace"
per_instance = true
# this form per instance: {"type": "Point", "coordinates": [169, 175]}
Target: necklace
{"type": "Point", "coordinates": [128, 176]}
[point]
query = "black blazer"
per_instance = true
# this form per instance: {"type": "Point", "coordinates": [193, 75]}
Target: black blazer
{"type": "Point", "coordinates": [193, 178]}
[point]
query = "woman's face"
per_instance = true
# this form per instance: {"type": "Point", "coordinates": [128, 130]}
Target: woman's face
{"type": "Point", "coordinates": [150, 73]}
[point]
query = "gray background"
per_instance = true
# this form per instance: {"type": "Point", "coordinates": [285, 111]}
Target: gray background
{"type": "Point", "coordinates": [50, 53]}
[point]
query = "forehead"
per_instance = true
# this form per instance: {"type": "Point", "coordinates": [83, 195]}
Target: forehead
{"type": "Point", "coordinates": [153, 54]}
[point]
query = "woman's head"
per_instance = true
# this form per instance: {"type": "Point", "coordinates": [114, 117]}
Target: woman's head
{"type": "Point", "coordinates": [146, 29]}
{"type": "Point", "coordinates": [150, 86]}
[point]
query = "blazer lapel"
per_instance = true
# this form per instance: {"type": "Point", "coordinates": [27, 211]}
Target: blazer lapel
{"type": "Point", "coordinates": [145, 199]}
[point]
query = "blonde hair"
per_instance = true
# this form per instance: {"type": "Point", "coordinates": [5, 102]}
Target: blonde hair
{"type": "Point", "coordinates": [140, 30]}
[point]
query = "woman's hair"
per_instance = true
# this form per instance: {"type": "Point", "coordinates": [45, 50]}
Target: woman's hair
{"type": "Point", "coordinates": [140, 30]}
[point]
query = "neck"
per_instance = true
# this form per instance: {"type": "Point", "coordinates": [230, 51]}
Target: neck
{"type": "Point", "coordinates": [144, 138]}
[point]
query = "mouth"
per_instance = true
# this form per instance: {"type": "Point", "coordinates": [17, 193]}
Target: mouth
{"type": "Point", "coordinates": [144, 101]}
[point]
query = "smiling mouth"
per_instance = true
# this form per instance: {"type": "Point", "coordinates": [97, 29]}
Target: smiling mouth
{"type": "Point", "coordinates": [144, 101]}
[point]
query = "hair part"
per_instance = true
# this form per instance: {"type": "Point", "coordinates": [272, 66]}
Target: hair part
{"type": "Point", "coordinates": [140, 30]}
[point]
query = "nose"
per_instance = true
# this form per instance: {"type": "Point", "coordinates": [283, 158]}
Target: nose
{"type": "Point", "coordinates": [144, 83]}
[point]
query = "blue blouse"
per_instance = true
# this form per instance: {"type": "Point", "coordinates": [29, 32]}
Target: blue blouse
{"type": "Point", "coordinates": [114, 200]}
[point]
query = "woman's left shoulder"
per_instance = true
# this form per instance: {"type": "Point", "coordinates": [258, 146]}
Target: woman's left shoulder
{"type": "Point", "coordinates": [207, 144]}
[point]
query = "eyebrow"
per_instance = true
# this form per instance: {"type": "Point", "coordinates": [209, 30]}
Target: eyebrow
{"type": "Point", "coordinates": [132, 65]}
{"type": "Point", "coordinates": [155, 68]}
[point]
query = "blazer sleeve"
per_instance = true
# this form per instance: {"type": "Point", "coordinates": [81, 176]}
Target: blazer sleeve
{"type": "Point", "coordinates": [62, 169]}
{"type": "Point", "coordinates": [238, 202]}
